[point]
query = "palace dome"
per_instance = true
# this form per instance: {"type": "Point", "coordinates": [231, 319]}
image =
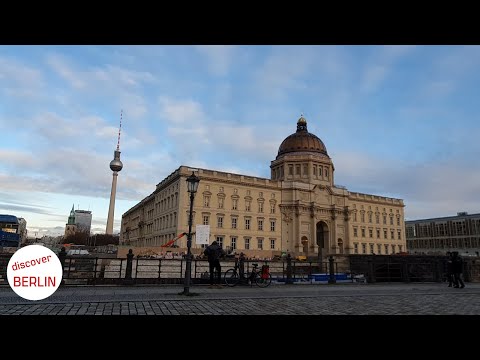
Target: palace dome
{"type": "Point", "coordinates": [302, 141]}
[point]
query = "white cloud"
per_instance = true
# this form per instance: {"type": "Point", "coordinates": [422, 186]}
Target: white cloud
{"type": "Point", "coordinates": [60, 66]}
{"type": "Point", "coordinates": [219, 57]}
{"type": "Point", "coordinates": [380, 65]}
{"type": "Point", "coordinates": [181, 112]}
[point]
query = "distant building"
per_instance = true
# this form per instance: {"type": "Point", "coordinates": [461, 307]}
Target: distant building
{"type": "Point", "coordinates": [438, 235]}
{"type": "Point", "coordinates": [71, 227]}
{"type": "Point", "coordinates": [83, 220]}
{"type": "Point", "coordinates": [22, 230]}
{"type": "Point", "coordinates": [298, 209]}
{"type": "Point", "coordinates": [78, 221]}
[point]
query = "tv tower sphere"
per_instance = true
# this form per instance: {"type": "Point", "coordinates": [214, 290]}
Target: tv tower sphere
{"type": "Point", "coordinates": [116, 164]}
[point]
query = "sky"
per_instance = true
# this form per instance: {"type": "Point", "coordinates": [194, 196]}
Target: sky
{"type": "Point", "coordinates": [397, 121]}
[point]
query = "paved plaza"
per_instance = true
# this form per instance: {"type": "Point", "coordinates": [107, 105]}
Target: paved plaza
{"type": "Point", "coordinates": [298, 299]}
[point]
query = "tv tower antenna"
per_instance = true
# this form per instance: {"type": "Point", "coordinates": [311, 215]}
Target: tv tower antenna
{"type": "Point", "coordinates": [119, 129]}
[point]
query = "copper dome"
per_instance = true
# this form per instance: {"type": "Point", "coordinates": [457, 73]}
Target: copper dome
{"type": "Point", "coordinates": [302, 141]}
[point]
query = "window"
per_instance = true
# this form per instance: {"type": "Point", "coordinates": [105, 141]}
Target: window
{"type": "Point", "coordinates": [398, 221]}
{"type": "Point", "coordinates": [234, 242]}
{"type": "Point", "coordinates": [314, 170]}
{"type": "Point", "coordinates": [319, 171]}
{"type": "Point", "coordinates": [297, 169]}
{"type": "Point", "coordinates": [247, 224]}
{"type": "Point", "coordinates": [377, 219]}
{"type": "Point", "coordinates": [290, 169]}
{"type": "Point", "coordinates": [399, 248]}
{"type": "Point", "coordinates": [247, 243]}
{"type": "Point", "coordinates": [234, 204]}
{"type": "Point", "coordinates": [272, 225]}
{"type": "Point", "coordinates": [220, 221]}
{"type": "Point", "coordinates": [391, 220]}
{"type": "Point", "coordinates": [369, 217]}
{"type": "Point", "coordinates": [391, 235]}
{"type": "Point", "coordinates": [220, 241]}
{"type": "Point", "coordinates": [260, 224]}
{"type": "Point", "coordinates": [272, 244]}
{"type": "Point", "coordinates": [305, 169]}
{"type": "Point", "coordinates": [399, 233]}
{"type": "Point", "coordinates": [370, 232]}
{"type": "Point", "coordinates": [362, 217]}
{"type": "Point", "coordinates": [355, 216]}
{"type": "Point", "coordinates": [394, 249]}
{"type": "Point", "coordinates": [363, 232]}
{"type": "Point", "coordinates": [355, 248]}
{"type": "Point", "coordinates": [379, 249]}
{"type": "Point", "coordinates": [220, 203]}
{"type": "Point", "coordinates": [386, 249]}
{"type": "Point", "coordinates": [355, 232]}
{"type": "Point", "coordinates": [385, 234]}
{"type": "Point", "coordinates": [260, 244]}
{"type": "Point", "coordinates": [371, 249]}
{"type": "Point", "coordinates": [378, 233]}
{"type": "Point", "coordinates": [326, 173]}
{"type": "Point", "coordinates": [260, 207]}
{"type": "Point", "coordinates": [364, 248]}
{"type": "Point", "coordinates": [234, 223]}
{"type": "Point", "coordinates": [205, 219]}
{"type": "Point", "coordinates": [247, 205]}
{"type": "Point", "coordinates": [206, 201]}
{"type": "Point", "coordinates": [384, 219]}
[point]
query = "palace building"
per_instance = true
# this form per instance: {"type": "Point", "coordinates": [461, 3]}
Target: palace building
{"type": "Point", "coordinates": [299, 209]}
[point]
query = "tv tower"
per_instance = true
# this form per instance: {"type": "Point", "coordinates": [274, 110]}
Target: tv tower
{"type": "Point", "coordinates": [115, 165]}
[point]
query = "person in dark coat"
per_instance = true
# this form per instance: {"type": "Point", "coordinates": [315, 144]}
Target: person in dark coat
{"type": "Point", "coordinates": [214, 252]}
{"type": "Point", "coordinates": [449, 269]}
{"type": "Point", "coordinates": [457, 265]}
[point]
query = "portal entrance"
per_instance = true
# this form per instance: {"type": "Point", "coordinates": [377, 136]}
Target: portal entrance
{"type": "Point", "coordinates": [322, 238]}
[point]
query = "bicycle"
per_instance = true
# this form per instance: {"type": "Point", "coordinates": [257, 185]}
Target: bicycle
{"type": "Point", "coordinates": [261, 277]}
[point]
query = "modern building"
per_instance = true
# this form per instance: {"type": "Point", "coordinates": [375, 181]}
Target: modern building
{"type": "Point", "coordinates": [439, 235]}
{"type": "Point", "coordinates": [298, 209]}
{"type": "Point", "coordinates": [83, 220]}
{"type": "Point", "coordinates": [22, 230]}
{"type": "Point", "coordinates": [78, 221]}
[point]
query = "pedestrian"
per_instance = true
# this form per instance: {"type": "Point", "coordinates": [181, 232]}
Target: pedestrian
{"type": "Point", "coordinates": [449, 269]}
{"type": "Point", "coordinates": [214, 252]}
{"type": "Point", "coordinates": [457, 270]}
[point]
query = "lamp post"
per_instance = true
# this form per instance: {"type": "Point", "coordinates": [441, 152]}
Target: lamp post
{"type": "Point", "coordinates": [192, 184]}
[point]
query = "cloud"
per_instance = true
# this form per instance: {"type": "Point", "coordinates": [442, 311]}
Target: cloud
{"type": "Point", "coordinates": [60, 66]}
{"type": "Point", "coordinates": [219, 57]}
{"type": "Point", "coordinates": [20, 80]}
{"type": "Point", "coordinates": [380, 65]}
{"type": "Point", "coordinates": [439, 189]}
{"type": "Point", "coordinates": [30, 209]}
{"type": "Point", "coordinates": [181, 112]}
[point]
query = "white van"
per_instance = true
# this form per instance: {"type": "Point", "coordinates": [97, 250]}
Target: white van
{"type": "Point", "coordinates": [78, 252]}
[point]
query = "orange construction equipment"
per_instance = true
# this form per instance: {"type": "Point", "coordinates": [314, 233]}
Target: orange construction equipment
{"type": "Point", "coordinates": [170, 242]}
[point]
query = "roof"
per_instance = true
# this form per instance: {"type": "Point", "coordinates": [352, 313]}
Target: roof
{"type": "Point", "coordinates": [8, 218]}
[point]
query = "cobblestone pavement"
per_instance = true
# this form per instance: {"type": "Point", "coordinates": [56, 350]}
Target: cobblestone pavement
{"type": "Point", "coordinates": [339, 299]}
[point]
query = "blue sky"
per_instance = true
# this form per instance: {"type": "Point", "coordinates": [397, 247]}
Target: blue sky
{"type": "Point", "coordinates": [399, 121]}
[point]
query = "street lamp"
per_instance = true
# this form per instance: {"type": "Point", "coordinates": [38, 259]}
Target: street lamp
{"type": "Point", "coordinates": [192, 185]}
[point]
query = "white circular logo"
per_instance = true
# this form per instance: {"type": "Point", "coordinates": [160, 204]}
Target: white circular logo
{"type": "Point", "coordinates": [34, 272]}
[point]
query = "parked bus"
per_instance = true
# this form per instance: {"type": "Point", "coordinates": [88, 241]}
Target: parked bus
{"type": "Point", "coordinates": [9, 234]}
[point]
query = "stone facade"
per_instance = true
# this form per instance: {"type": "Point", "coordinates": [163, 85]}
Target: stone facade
{"type": "Point", "coordinates": [298, 210]}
